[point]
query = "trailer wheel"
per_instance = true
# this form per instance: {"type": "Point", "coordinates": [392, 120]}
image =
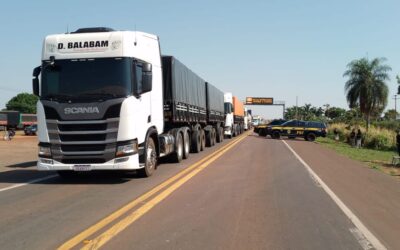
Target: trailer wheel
{"type": "Point", "coordinates": [203, 140]}
{"type": "Point", "coordinates": [150, 158]}
{"type": "Point", "coordinates": [186, 144]}
{"type": "Point", "coordinates": [196, 140]}
{"type": "Point", "coordinates": [213, 137]}
{"type": "Point", "coordinates": [209, 138]}
{"type": "Point", "coordinates": [178, 155]}
{"type": "Point", "coordinates": [220, 135]}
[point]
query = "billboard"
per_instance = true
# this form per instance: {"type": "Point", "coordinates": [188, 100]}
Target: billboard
{"type": "Point", "coordinates": [259, 101]}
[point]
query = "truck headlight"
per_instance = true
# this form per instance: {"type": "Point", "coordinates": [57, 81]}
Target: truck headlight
{"type": "Point", "coordinates": [127, 148]}
{"type": "Point", "coordinates": [44, 151]}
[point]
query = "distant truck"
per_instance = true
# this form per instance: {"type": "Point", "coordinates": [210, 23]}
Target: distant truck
{"type": "Point", "coordinates": [247, 119]}
{"type": "Point", "coordinates": [110, 101]}
{"type": "Point", "coordinates": [234, 116]}
{"type": "Point", "coordinates": [16, 120]}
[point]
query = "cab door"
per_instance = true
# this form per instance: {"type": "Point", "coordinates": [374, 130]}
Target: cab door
{"type": "Point", "coordinates": [289, 128]}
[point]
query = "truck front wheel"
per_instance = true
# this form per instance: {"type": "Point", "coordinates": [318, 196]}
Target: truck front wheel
{"type": "Point", "coordinates": [150, 158]}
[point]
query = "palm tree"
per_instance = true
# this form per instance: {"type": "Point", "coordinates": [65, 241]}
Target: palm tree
{"type": "Point", "coordinates": [366, 87]}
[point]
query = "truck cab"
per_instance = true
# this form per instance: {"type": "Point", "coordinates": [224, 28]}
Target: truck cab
{"type": "Point", "coordinates": [100, 94]}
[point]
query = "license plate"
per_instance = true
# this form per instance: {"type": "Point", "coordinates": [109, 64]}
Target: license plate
{"type": "Point", "coordinates": [82, 167]}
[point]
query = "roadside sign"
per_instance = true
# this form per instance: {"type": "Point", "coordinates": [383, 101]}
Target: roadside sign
{"type": "Point", "coordinates": [259, 101]}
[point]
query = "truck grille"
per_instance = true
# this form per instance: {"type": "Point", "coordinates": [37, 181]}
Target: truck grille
{"type": "Point", "coordinates": [87, 141]}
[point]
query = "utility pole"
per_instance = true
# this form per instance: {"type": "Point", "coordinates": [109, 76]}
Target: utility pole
{"type": "Point", "coordinates": [395, 105]}
{"type": "Point", "coordinates": [296, 107]}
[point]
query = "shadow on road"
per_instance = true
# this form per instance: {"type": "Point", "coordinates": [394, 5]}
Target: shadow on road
{"type": "Point", "coordinates": [23, 164]}
{"type": "Point", "coordinates": [91, 178]}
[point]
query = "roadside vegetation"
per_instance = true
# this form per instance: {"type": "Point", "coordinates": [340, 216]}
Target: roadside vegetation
{"type": "Point", "coordinates": [375, 159]}
{"type": "Point", "coordinates": [367, 94]}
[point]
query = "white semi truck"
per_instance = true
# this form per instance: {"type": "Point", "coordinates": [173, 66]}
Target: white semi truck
{"type": "Point", "coordinates": [234, 116]}
{"type": "Point", "coordinates": [110, 101]}
{"type": "Point", "coordinates": [247, 119]}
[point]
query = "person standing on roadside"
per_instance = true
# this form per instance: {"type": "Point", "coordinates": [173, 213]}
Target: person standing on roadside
{"type": "Point", "coordinates": [398, 141]}
{"type": "Point", "coordinates": [353, 138]}
{"type": "Point", "coordinates": [359, 138]}
{"type": "Point", "coordinates": [336, 134]}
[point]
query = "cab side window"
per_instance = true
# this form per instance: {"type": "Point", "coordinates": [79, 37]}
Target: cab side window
{"type": "Point", "coordinates": [139, 76]}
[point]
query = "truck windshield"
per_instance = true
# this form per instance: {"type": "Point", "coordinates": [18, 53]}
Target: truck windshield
{"type": "Point", "coordinates": [228, 107]}
{"type": "Point", "coordinates": [86, 79]}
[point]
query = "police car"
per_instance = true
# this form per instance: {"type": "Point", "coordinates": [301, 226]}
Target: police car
{"type": "Point", "coordinates": [295, 128]}
{"type": "Point", "coordinates": [264, 129]}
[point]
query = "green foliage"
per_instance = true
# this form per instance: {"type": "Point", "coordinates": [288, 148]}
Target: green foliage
{"type": "Point", "coordinates": [366, 87]}
{"type": "Point", "coordinates": [375, 138]}
{"type": "Point", "coordinates": [386, 124]}
{"type": "Point", "coordinates": [23, 102]}
{"type": "Point", "coordinates": [306, 112]}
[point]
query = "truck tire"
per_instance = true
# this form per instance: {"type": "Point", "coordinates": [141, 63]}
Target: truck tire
{"type": "Point", "coordinates": [276, 135]}
{"type": "Point", "coordinates": [178, 155]}
{"type": "Point", "coordinates": [213, 137]}
{"type": "Point", "coordinates": [209, 138]}
{"type": "Point", "coordinates": [234, 130]}
{"type": "Point", "coordinates": [220, 135]}
{"type": "Point", "coordinates": [196, 141]}
{"type": "Point", "coordinates": [150, 158]}
{"type": "Point", "coordinates": [310, 137]}
{"type": "Point", "coordinates": [203, 140]}
{"type": "Point", "coordinates": [186, 144]}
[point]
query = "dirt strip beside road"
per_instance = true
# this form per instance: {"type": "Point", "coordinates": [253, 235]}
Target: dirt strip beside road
{"type": "Point", "coordinates": [19, 153]}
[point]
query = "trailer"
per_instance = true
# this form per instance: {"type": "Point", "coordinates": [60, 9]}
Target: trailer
{"type": "Point", "coordinates": [10, 119]}
{"type": "Point", "coordinates": [110, 101]}
{"type": "Point", "coordinates": [234, 116]}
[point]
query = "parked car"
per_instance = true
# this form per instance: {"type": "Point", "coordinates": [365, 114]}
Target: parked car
{"type": "Point", "coordinates": [309, 130]}
{"type": "Point", "coordinates": [265, 129]}
{"type": "Point", "coordinates": [31, 130]}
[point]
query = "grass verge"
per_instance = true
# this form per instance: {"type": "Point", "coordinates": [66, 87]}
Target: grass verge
{"type": "Point", "coordinates": [376, 159]}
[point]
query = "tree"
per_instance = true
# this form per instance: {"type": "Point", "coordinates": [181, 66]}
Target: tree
{"type": "Point", "coordinates": [335, 113]}
{"type": "Point", "coordinates": [366, 87]}
{"type": "Point", "coordinates": [23, 102]}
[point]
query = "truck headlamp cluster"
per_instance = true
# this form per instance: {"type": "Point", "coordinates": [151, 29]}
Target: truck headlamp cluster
{"type": "Point", "coordinates": [127, 148]}
{"type": "Point", "coordinates": [44, 151]}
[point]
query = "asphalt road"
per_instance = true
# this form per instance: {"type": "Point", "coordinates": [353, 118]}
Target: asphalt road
{"type": "Point", "coordinates": [247, 193]}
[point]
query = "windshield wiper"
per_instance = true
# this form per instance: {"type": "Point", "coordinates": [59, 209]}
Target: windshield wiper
{"type": "Point", "coordinates": [61, 97]}
{"type": "Point", "coordinates": [99, 96]}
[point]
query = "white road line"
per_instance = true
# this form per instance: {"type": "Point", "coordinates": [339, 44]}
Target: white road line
{"type": "Point", "coordinates": [29, 182]}
{"type": "Point", "coordinates": [365, 244]}
{"type": "Point", "coordinates": [356, 221]}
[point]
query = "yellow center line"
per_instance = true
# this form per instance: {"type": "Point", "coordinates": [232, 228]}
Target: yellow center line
{"type": "Point", "coordinates": [102, 239]}
{"type": "Point", "coordinates": [104, 222]}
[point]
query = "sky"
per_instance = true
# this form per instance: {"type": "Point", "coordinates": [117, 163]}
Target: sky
{"type": "Point", "coordinates": [271, 48]}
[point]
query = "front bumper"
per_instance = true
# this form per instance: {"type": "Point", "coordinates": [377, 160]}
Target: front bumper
{"type": "Point", "coordinates": [132, 162]}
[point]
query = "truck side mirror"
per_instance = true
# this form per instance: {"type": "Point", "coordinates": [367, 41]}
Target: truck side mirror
{"type": "Point", "coordinates": [35, 80]}
{"type": "Point", "coordinates": [147, 78]}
